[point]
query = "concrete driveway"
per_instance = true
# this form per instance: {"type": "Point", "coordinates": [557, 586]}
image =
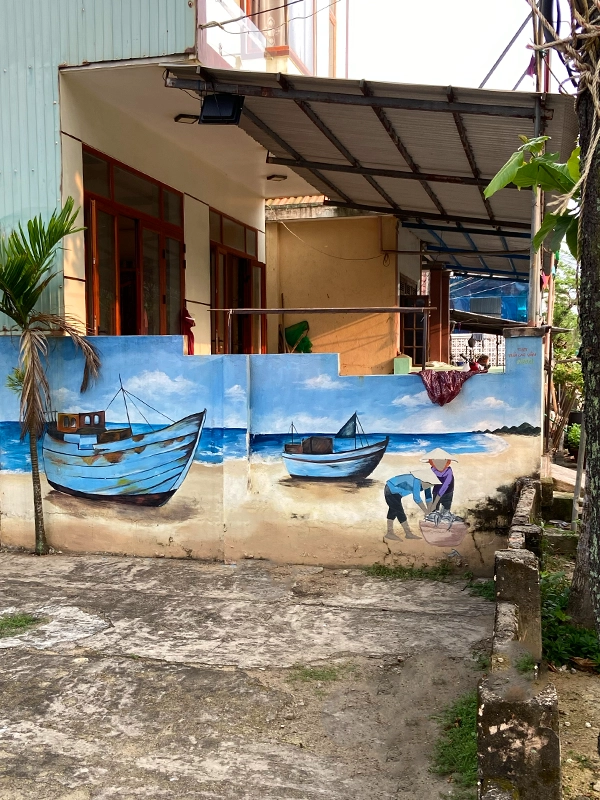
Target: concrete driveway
{"type": "Point", "coordinates": [178, 679]}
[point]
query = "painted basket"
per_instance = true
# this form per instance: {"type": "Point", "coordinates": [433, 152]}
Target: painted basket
{"type": "Point", "coordinates": [441, 536]}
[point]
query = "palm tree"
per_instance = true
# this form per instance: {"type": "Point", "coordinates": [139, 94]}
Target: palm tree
{"type": "Point", "coordinates": [26, 268]}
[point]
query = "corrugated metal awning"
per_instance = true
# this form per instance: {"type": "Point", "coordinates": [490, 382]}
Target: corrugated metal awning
{"type": "Point", "coordinates": [422, 153]}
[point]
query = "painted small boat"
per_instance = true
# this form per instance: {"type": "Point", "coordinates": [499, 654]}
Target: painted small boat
{"type": "Point", "coordinates": [316, 458]}
{"type": "Point", "coordinates": [83, 457]}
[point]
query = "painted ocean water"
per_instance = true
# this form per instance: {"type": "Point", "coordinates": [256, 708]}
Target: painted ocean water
{"type": "Point", "coordinates": [215, 445]}
{"type": "Point", "coordinates": [218, 444]}
{"type": "Point", "coordinates": [270, 446]}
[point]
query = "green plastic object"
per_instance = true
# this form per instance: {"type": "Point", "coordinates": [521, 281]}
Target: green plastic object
{"type": "Point", "coordinates": [297, 338]}
{"type": "Point", "coordinates": [402, 365]}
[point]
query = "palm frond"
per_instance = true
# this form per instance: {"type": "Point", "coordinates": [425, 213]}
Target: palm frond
{"type": "Point", "coordinates": [26, 259]}
{"type": "Point", "coordinates": [69, 325]}
{"type": "Point", "coordinates": [15, 379]}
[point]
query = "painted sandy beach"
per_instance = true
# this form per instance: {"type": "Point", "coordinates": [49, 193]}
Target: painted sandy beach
{"type": "Point", "coordinates": [270, 515]}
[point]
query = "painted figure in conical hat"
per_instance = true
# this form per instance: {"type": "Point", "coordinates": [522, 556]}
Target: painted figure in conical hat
{"type": "Point", "coordinates": [441, 465]}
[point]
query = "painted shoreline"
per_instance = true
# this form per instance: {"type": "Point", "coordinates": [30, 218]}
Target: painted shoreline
{"type": "Point", "coordinates": [269, 514]}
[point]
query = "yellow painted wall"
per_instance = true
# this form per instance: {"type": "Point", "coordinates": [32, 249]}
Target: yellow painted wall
{"type": "Point", "coordinates": [335, 262]}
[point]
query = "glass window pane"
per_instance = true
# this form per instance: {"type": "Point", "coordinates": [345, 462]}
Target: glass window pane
{"type": "Point", "coordinates": [95, 175]}
{"type": "Point", "coordinates": [136, 192]}
{"type": "Point", "coordinates": [107, 279]}
{"type": "Point", "coordinates": [250, 242]}
{"type": "Point", "coordinates": [151, 288]}
{"type": "Point", "coordinates": [128, 276]}
{"type": "Point", "coordinates": [215, 226]}
{"type": "Point", "coordinates": [173, 286]}
{"type": "Point", "coordinates": [234, 235]}
{"type": "Point", "coordinates": [172, 207]}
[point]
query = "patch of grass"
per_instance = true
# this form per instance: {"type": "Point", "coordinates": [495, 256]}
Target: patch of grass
{"type": "Point", "coordinates": [561, 640]}
{"type": "Point", "coordinates": [13, 624]}
{"type": "Point", "coordinates": [436, 573]}
{"type": "Point", "coordinates": [482, 659]}
{"type": "Point", "coordinates": [325, 674]}
{"type": "Point", "coordinates": [526, 664]}
{"type": "Point", "coordinates": [455, 752]}
{"type": "Point", "coordinates": [585, 762]}
{"type": "Point", "coordinates": [485, 589]}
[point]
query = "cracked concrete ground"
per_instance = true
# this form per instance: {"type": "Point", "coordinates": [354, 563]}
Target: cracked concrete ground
{"type": "Point", "coordinates": [177, 679]}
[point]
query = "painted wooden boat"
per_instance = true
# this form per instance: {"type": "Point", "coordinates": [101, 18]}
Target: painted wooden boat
{"type": "Point", "coordinates": [315, 457]}
{"type": "Point", "coordinates": [349, 464]}
{"type": "Point", "coordinates": [84, 458]}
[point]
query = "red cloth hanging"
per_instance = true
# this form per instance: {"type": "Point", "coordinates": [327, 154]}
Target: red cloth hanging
{"type": "Point", "coordinates": [188, 323]}
{"type": "Point", "coordinates": [442, 387]}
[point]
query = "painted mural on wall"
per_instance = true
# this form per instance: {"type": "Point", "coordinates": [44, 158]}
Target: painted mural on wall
{"type": "Point", "coordinates": [84, 457]}
{"type": "Point", "coordinates": [196, 457]}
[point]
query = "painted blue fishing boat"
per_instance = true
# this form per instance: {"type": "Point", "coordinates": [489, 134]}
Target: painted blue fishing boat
{"type": "Point", "coordinates": [83, 457]}
{"type": "Point", "coordinates": [316, 457]}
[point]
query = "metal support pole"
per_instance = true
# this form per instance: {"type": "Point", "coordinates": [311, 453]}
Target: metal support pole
{"type": "Point", "coordinates": [533, 303]}
{"type": "Point", "coordinates": [579, 477]}
{"type": "Point", "coordinates": [229, 331]}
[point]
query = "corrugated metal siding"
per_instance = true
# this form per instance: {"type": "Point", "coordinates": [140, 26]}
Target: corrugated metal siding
{"type": "Point", "coordinates": [36, 37]}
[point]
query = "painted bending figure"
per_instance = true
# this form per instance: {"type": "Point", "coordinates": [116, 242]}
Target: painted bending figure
{"type": "Point", "coordinates": [441, 465]}
{"type": "Point", "coordinates": [440, 508]}
{"type": "Point", "coordinates": [412, 483]}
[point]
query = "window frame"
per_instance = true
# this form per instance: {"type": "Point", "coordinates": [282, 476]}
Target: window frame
{"type": "Point", "coordinates": [218, 248]}
{"type": "Point", "coordinates": [94, 202]}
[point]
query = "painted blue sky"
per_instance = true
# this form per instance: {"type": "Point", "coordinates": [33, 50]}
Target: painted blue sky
{"type": "Point", "coordinates": [310, 393]}
{"type": "Point", "coordinates": [305, 389]}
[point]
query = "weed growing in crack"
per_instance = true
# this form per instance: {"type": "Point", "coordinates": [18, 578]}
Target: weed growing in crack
{"type": "Point", "coordinates": [525, 665]}
{"type": "Point", "coordinates": [326, 674]}
{"type": "Point", "coordinates": [455, 752]}
{"type": "Point", "coordinates": [13, 624]}
{"type": "Point", "coordinates": [485, 589]}
{"type": "Point", "coordinates": [436, 573]}
{"type": "Point", "coordinates": [482, 660]}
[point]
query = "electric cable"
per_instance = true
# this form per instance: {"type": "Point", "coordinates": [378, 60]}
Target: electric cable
{"type": "Point", "coordinates": [340, 258]}
{"type": "Point", "coordinates": [283, 24]}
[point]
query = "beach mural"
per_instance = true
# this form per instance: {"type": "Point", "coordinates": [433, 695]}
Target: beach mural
{"type": "Point", "coordinates": [274, 456]}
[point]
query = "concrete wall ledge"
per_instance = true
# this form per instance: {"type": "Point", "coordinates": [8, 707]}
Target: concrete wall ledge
{"type": "Point", "coordinates": [518, 582]}
{"type": "Point", "coordinates": [518, 737]}
{"type": "Point", "coordinates": [518, 729]}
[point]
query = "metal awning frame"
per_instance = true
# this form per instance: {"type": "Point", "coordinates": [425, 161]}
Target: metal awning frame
{"type": "Point", "coordinates": [282, 87]}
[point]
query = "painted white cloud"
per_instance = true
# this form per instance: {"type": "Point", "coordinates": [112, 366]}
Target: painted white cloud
{"type": "Point", "coordinates": [412, 400]}
{"type": "Point", "coordinates": [156, 383]}
{"type": "Point", "coordinates": [66, 400]}
{"type": "Point", "coordinates": [322, 382]}
{"type": "Point", "coordinates": [235, 392]}
{"type": "Point", "coordinates": [493, 402]}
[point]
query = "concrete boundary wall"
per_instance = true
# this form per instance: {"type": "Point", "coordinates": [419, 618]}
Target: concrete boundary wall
{"type": "Point", "coordinates": [518, 728]}
{"type": "Point", "coordinates": [245, 485]}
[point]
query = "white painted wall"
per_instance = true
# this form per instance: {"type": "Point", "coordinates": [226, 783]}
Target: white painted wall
{"type": "Point", "coordinates": [90, 119]}
{"type": "Point", "coordinates": [74, 252]}
{"type": "Point", "coordinates": [409, 265]}
{"type": "Point", "coordinates": [197, 273]}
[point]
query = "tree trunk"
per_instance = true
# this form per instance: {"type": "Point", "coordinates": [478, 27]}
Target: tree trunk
{"type": "Point", "coordinates": [41, 545]}
{"type": "Point", "coordinates": [580, 600]}
{"type": "Point", "coordinates": [589, 322]}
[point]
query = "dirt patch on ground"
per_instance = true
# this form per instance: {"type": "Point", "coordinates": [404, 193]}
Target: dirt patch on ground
{"type": "Point", "coordinates": [248, 682]}
{"type": "Point", "coordinates": [579, 704]}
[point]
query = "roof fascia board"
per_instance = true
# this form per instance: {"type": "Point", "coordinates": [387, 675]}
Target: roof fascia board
{"type": "Point", "coordinates": [373, 101]}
